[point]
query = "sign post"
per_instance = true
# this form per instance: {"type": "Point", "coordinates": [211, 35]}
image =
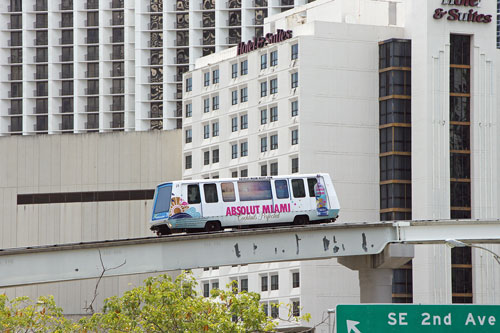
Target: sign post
{"type": "Point", "coordinates": [365, 318]}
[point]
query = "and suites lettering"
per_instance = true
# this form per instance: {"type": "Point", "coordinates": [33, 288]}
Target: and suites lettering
{"type": "Point", "coordinates": [455, 14]}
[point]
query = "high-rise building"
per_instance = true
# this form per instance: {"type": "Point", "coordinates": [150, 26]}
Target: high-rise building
{"type": "Point", "coordinates": [396, 100]}
{"type": "Point", "coordinates": [114, 65]}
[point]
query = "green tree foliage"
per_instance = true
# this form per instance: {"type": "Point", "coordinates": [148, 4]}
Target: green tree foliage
{"type": "Point", "coordinates": [25, 315]}
{"type": "Point", "coordinates": [166, 305]}
{"type": "Point", "coordinates": [161, 304]}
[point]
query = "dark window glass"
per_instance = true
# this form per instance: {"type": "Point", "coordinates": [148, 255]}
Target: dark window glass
{"type": "Point", "coordinates": [274, 169]}
{"type": "Point", "coordinates": [460, 50]}
{"type": "Point", "coordinates": [395, 196]}
{"type": "Point", "coordinates": [42, 55]}
{"type": "Point", "coordinates": [396, 167]}
{"type": "Point", "coordinates": [67, 54]}
{"type": "Point", "coordinates": [41, 20]}
{"type": "Point", "coordinates": [118, 35]}
{"type": "Point", "coordinates": [16, 73]}
{"type": "Point", "coordinates": [189, 161]}
{"type": "Point", "coordinates": [263, 61]}
{"type": "Point", "coordinates": [460, 194]}
{"type": "Point", "coordinates": [263, 283]}
{"type": "Point", "coordinates": [16, 56]}
{"type": "Point", "coordinates": [395, 82]}
{"type": "Point", "coordinates": [459, 108]}
{"type": "Point", "coordinates": [16, 22]}
{"type": "Point", "coordinates": [66, 20]}
{"type": "Point", "coordinates": [67, 37]}
{"type": "Point", "coordinates": [460, 80]}
{"type": "Point", "coordinates": [274, 282]}
{"type": "Point", "coordinates": [295, 279]}
{"type": "Point", "coordinates": [459, 137]}
{"type": "Point", "coordinates": [210, 191]}
{"type": "Point", "coordinates": [295, 51]}
{"type": "Point", "coordinates": [92, 36]}
{"type": "Point", "coordinates": [298, 188]}
{"type": "Point", "coordinates": [311, 182]}
{"type": "Point", "coordinates": [295, 165]}
{"type": "Point", "coordinates": [395, 111]}
{"type": "Point", "coordinates": [263, 170]}
{"type": "Point", "coordinates": [281, 188]}
{"type": "Point", "coordinates": [67, 105]}
{"type": "Point", "coordinates": [194, 194]}
{"type": "Point", "coordinates": [274, 58]}
{"type": "Point", "coordinates": [459, 166]}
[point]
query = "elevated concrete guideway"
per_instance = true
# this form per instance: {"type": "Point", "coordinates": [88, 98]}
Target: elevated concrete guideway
{"type": "Point", "coordinates": [355, 242]}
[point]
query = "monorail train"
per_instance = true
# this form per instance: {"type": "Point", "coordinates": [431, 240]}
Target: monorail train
{"type": "Point", "coordinates": [215, 204]}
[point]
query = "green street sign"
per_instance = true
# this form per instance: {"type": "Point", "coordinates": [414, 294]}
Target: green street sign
{"type": "Point", "coordinates": [387, 318]}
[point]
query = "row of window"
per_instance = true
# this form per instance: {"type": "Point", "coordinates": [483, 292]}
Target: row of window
{"type": "Point", "coordinates": [255, 190]}
{"type": "Point", "coordinates": [273, 111]}
{"type": "Point", "coordinates": [243, 69]}
{"type": "Point", "coordinates": [264, 168]}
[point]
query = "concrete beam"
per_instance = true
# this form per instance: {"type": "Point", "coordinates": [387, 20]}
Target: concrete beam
{"type": "Point", "coordinates": [146, 255]}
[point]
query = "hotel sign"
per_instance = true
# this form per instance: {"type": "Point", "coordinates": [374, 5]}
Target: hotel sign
{"type": "Point", "coordinates": [463, 12]}
{"type": "Point", "coordinates": [260, 42]}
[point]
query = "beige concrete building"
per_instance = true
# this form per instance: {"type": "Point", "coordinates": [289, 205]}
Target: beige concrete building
{"type": "Point", "coordinates": [75, 188]}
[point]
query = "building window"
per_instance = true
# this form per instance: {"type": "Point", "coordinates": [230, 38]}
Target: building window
{"type": "Point", "coordinates": [215, 102]}
{"type": "Point", "coordinates": [295, 279]}
{"type": "Point", "coordinates": [215, 285]}
{"type": "Point", "coordinates": [244, 173]}
{"type": "Point", "coordinates": [234, 174]}
{"type": "Point", "coordinates": [189, 84]}
{"type": "Point", "coordinates": [189, 136]}
{"type": "Point", "coordinates": [189, 162]}
{"type": "Point", "coordinates": [274, 170]}
{"type": "Point", "coordinates": [234, 70]}
{"type": "Point", "coordinates": [263, 61]}
{"type": "Point", "coordinates": [263, 89]}
{"type": "Point", "coordinates": [264, 283]}
{"type": "Point", "coordinates": [295, 80]}
{"type": "Point", "coordinates": [263, 116]}
{"type": "Point", "coordinates": [244, 67]}
{"type": "Point", "coordinates": [296, 308]}
{"type": "Point", "coordinates": [274, 310]}
{"type": "Point", "coordinates": [295, 108]}
{"type": "Point", "coordinates": [215, 129]}
{"type": "Point", "coordinates": [215, 156]}
{"type": "Point", "coordinates": [206, 131]}
{"type": "Point", "coordinates": [274, 86]}
{"type": "Point", "coordinates": [274, 58]}
{"type": "Point", "coordinates": [461, 275]}
{"type": "Point", "coordinates": [263, 172]}
{"type": "Point", "coordinates": [295, 137]}
{"type": "Point", "coordinates": [206, 79]}
{"type": "Point", "coordinates": [234, 124]}
{"type": "Point", "coordinates": [234, 97]}
{"type": "Point", "coordinates": [234, 151]}
{"type": "Point", "coordinates": [244, 149]}
{"type": "Point", "coordinates": [244, 281]}
{"type": "Point", "coordinates": [274, 282]}
{"type": "Point", "coordinates": [215, 76]}
{"type": "Point", "coordinates": [206, 158]}
{"type": "Point", "coordinates": [206, 105]}
{"type": "Point", "coordinates": [274, 114]}
{"type": "Point", "coordinates": [206, 289]}
{"type": "Point", "coordinates": [244, 121]}
{"type": "Point", "coordinates": [295, 51]}
{"type": "Point", "coordinates": [244, 94]}
{"type": "Point", "coordinates": [189, 110]}
{"type": "Point", "coordinates": [295, 165]}
{"type": "Point", "coordinates": [402, 285]}
{"type": "Point", "coordinates": [263, 144]}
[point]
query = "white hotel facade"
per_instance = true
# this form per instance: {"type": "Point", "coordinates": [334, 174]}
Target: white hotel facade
{"type": "Point", "coordinates": [111, 65]}
{"type": "Point", "coordinates": [396, 100]}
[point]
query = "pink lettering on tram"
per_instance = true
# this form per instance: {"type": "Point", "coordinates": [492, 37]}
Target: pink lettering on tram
{"type": "Point", "coordinates": [255, 209]}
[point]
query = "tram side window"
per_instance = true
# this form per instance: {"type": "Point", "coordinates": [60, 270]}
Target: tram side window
{"type": "Point", "coordinates": [255, 190]}
{"type": "Point", "coordinates": [228, 192]}
{"type": "Point", "coordinates": [194, 194]}
{"type": "Point", "coordinates": [210, 193]}
{"type": "Point", "coordinates": [281, 188]}
{"type": "Point", "coordinates": [298, 188]}
{"type": "Point", "coordinates": [311, 182]}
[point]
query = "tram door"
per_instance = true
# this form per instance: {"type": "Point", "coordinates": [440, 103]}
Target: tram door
{"type": "Point", "coordinates": [193, 195]}
{"type": "Point", "coordinates": [281, 198]}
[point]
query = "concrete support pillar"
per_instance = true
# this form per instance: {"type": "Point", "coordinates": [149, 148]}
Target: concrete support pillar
{"type": "Point", "coordinates": [375, 285]}
{"type": "Point", "coordinates": [375, 271]}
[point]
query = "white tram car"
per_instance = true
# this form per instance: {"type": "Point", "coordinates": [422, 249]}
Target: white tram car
{"type": "Point", "coordinates": [215, 204]}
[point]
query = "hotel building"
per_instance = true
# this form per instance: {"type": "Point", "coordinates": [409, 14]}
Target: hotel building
{"type": "Point", "coordinates": [396, 100]}
{"type": "Point", "coordinates": [114, 65]}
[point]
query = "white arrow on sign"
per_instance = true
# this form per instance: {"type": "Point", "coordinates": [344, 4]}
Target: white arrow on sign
{"type": "Point", "coordinates": [351, 326]}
